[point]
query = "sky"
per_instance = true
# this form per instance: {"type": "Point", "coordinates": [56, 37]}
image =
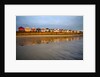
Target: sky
{"type": "Point", "coordinates": [53, 22]}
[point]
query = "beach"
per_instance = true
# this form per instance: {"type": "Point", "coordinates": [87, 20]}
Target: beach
{"type": "Point", "coordinates": [49, 47]}
{"type": "Point", "coordinates": [46, 35]}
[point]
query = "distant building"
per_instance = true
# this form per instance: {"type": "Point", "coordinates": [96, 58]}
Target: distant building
{"type": "Point", "coordinates": [27, 29]}
{"type": "Point", "coordinates": [21, 29]}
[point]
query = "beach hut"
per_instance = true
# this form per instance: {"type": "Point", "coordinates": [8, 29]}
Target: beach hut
{"type": "Point", "coordinates": [71, 31]}
{"type": "Point", "coordinates": [21, 29]}
{"type": "Point", "coordinates": [38, 30]}
{"type": "Point", "coordinates": [81, 32]}
{"type": "Point", "coordinates": [33, 29]}
{"type": "Point", "coordinates": [51, 30]}
{"type": "Point", "coordinates": [75, 31]}
{"type": "Point", "coordinates": [56, 30]}
{"type": "Point", "coordinates": [43, 30]}
{"type": "Point", "coordinates": [78, 31]}
{"type": "Point", "coordinates": [60, 30]}
{"type": "Point", "coordinates": [63, 30]}
{"type": "Point", "coordinates": [47, 30]}
{"type": "Point", "coordinates": [27, 29]}
{"type": "Point", "coordinates": [67, 31]}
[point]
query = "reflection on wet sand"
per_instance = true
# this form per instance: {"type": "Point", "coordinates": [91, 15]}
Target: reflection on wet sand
{"type": "Point", "coordinates": [22, 41]}
{"type": "Point", "coordinates": [49, 48]}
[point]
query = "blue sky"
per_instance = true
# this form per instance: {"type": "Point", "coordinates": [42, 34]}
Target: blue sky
{"type": "Point", "coordinates": [63, 22]}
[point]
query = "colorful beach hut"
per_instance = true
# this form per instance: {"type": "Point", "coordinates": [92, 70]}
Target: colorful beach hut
{"type": "Point", "coordinates": [33, 29]}
{"type": "Point", "coordinates": [27, 29]}
{"type": "Point", "coordinates": [21, 29]}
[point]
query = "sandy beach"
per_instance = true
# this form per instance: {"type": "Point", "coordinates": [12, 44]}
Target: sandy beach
{"type": "Point", "coordinates": [46, 35]}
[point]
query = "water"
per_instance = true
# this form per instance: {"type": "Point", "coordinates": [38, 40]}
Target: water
{"type": "Point", "coordinates": [49, 48]}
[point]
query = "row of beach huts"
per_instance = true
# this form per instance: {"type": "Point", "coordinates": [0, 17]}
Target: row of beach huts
{"type": "Point", "coordinates": [28, 29]}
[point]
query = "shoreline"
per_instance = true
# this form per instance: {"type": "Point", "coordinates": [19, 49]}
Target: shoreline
{"type": "Point", "coordinates": [47, 35]}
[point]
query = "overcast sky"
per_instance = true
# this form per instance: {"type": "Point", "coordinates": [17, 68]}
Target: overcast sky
{"type": "Point", "coordinates": [63, 22]}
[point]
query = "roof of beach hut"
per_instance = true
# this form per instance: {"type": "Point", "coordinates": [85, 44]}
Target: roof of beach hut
{"type": "Point", "coordinates": [33, 28]}
{"type": "Point", "coordinates": [27, 28]}
{"type": "Point", "coordinates": [38, 28]}
{"type": "Point", "coordinates": [20, 27]}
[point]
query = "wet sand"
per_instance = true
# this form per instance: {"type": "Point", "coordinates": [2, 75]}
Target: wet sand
{"type": "Point", "coordinates": [49, 48]}
{"type": "Point", "coordinates": [46, 35]}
